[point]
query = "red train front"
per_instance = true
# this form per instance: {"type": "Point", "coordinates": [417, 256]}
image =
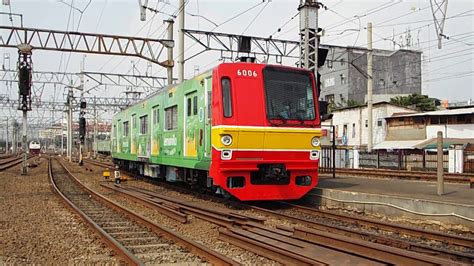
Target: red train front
{"type": "Point", "coordinates": [265, 131]}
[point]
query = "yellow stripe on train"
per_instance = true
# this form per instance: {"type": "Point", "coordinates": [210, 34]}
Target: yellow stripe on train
{"type": "Point", "coordinates": [265, 138]}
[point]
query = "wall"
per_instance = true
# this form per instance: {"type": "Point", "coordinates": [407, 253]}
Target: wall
{"type": "Point", "coordinates": [395, 73]}
{"type": "Point", "coordinates": [355, 118]}
{"type": "Point", "coordinates": [451, 131]}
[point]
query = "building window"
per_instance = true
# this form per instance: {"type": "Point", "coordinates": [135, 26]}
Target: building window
{"type": "Point", "coordinates": [343, 79]}
{"type": "Point", "coordinates": [125, 129]}
{"type": "Point", "coordinates": [144, 125]}
{"type": "Point", "coordinates": [353, 130]}
{"type": "Point", "coordinates": [329, 98]}
{"type": "Point", "coordinates": [443, 120]}
{"type": "Point", "coordinates": [171, 118]}
{"type": "Point", "coordinates": [366, 123]}
{"type": "Point", "coordinates": [434, 120]}
{"type": "Point", "coordinates": [342, 98]}
{"type": "Point", "coordinates": [379, 122]}
{"type": "Point", "coordinates": [156, 115]}
{"type": "Point", "coordinates": [341, 61]}
{"type": "Point", "coordinates": [226, 97]}
{"type": "Point", "coordinates": [381, 82]}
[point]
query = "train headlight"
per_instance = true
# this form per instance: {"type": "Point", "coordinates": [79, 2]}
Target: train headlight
{"type": "Point", "coordinates": [226, 140]}
{"type": "Point", "coordinates": [315, 142]}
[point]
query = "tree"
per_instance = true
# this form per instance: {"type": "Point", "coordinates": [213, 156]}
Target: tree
{"type": "Point", "coordinates": [420, 102]}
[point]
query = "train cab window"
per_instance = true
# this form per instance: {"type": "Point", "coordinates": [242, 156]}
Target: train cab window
{"type": "Point", "coordinates": [144, 124]}
{"type": "Point", "coordinates": [171, 118]}
{"type": "Point", "coordinates": [125, 129]}
{"type": "Point", "coordinates": [226, 97]}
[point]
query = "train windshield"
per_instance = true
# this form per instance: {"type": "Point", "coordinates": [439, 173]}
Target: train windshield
{"type": "Point", "coordinates": [289, 94]}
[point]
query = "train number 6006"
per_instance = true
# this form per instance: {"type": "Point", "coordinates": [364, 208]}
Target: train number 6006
{"type": "Point", "coordinates": [246, 73]}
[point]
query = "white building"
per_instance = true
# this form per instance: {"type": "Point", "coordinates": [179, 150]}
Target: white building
{"type": "Point", "coordinates": [351, 123]}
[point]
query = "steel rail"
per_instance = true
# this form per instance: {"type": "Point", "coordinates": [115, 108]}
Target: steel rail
{"type": "Point", "coordinates": [195, 248]}
{"type": "Point", "coordinates": [12, 162]}
{"type": "Point", "coordinates": [403, 174]}
{"type": "Point", "coordinates": [426, 234]}
{"type": "Point", "coordinates": [108, 239]}
{"type": "Point", "coordinates": [339, 230]}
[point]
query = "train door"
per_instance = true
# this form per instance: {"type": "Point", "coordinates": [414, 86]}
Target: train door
{"type": "Point", "coordinates": [207, 116]}
{"type": "Point", "coordinates": [133, 133]}
{"type": "Point", "coordinates": [190, 137]}
{"type": "Point", "coordinates": [155, 135]}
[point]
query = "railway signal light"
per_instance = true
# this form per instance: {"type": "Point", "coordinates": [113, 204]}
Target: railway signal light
{"type": "Point", "coordinates": [24, 76]}
{"type": "Point", "coordinates": [82, 128]}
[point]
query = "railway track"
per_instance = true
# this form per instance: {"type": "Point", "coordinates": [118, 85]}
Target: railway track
{"type": "Point", "coordinates": [11, 162]}
{"type": "Point", "coordinates": [461, 248]}
{"type": "Point", "coordinates": [288, 245]}
{"type": "Point", "coordinates": [403, 174]}
{"type": "Point", "coordinates": [312, 218]}
{"type": "Point", "coordinates": [133, 237]}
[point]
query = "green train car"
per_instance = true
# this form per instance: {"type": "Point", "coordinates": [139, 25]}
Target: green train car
{"type": "Point", "coordinates": [242, 129]}
{"type": "Point", "coordinates": [173, 143]}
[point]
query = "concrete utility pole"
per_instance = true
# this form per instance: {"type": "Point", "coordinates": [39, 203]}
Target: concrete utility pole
{"type": "Point", "coordinates": [69, 124]}
{"type": "Point", "coordinates": [440, 183]}
{"type": "Point", "coordinates": [6, 143]}
{"type": "Point", "coordinates": [369, 86]}
{"type": "Point", "coordinates": [181, 15]}
{"type": "Point", "coordinates": [95, 128]}
{"type": "Point", "coordinates": [170, 51]}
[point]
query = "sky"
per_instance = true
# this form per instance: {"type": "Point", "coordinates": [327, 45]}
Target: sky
{"type": "Point", "coordinates": [447, 72]}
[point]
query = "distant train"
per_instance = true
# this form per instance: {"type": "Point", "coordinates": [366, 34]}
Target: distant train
{"type": "Point", "coordinates": [247, 130]}
{"type": "Point", "coordinates": [103, 147]}
{"type": "Point", "coordinates": [34, 147]}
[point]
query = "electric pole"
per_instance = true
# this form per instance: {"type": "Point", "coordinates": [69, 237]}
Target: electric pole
{"type": "Point", "coordinates": [439, 8]}
{"type": "Point", "coordinates": [6, 143]}
{"type": "Point", "coordinates": [309, 39]}
{"type": "Point", "coordinates": [369, 86]}
{"type": "Point", "coordinates": [69, 124]}
{"type": "Point", "coordinates": [181, 42]}
{"type": "Point", "coordinates": [95, 128]}
{"type": "Point", "coordinates": [170, 51]}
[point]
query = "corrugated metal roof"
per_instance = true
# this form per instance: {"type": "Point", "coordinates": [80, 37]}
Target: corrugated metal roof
{"type": "Point", "coordinates": [398, 144]}
{"type": "Point", "coordinates": [442, 112]}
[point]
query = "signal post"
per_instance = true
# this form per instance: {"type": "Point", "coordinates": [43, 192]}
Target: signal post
{"type": "Point", "coordinates": [24, 103]}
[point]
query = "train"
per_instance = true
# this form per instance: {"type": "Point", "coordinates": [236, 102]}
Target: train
{"type": "Point", "coordinates": [244, 130]}
{"type": "Point", "coordinates": [34, 147]}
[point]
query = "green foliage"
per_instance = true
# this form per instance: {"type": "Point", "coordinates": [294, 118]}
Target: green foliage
{"type": "Point", "coordinates": [420, 102]}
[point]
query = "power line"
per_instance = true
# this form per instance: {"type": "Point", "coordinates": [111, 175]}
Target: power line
{"type": "Point", "coordinates": [256, 16]}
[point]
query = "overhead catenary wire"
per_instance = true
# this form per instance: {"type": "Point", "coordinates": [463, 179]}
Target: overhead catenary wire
{"type": "Point", "coordinates": [256, 16]}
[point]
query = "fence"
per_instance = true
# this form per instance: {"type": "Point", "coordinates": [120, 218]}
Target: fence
{"type": "Point", "coordinates": [426, 160]}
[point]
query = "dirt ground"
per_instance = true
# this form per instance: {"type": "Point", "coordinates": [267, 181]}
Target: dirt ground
{"type": "Point", "coordinates": [36, 227]}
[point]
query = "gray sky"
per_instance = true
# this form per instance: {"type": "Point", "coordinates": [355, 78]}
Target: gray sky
{"type": "Point", "coordinates": [447, 73]}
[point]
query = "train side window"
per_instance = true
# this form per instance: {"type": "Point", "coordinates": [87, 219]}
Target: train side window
{"type": "Point", "coordinates": [226, 97]}
{"type": "Point", "coordinates": [144, 124]}
{"type": "Point", "coordinates": [125, 129]}
{"type": "Point", "coordinates": [156, 115]}
{"type": "Point", "coordinates": [195, 105]}
{"type": "Point", "coordinates": [171, 118]}
{"type": "Point", "coordinates": [188, 106]}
